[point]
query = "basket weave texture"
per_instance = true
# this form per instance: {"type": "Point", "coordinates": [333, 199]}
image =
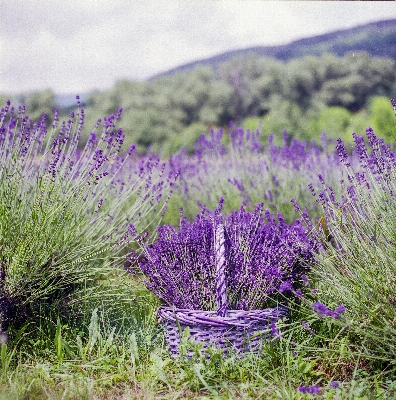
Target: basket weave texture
{"type": "Point", "coordinates": [234, 331]}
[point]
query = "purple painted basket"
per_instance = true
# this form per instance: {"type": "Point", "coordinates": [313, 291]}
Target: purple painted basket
{"type": "Point", "coordinates": [234, 331]}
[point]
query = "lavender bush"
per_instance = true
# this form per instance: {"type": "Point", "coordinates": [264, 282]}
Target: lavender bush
{"type": "Point", "coordinates": [265, 257]}
{"type": "Point", "coordinates": [66, 214]}
{"type": "Point", "coordinates": [358, 264]}
{"type": "Point", "coordinates": [243, 170]}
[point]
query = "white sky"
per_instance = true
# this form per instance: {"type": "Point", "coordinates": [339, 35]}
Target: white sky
{"type": "Point", "coordinates": [74, 46]}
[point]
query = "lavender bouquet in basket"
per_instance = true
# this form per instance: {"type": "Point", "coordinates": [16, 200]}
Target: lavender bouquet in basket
{"type": "Point", "coordinates": [264, 257]}
{"type": "Point", "coordinates": [219, 275]}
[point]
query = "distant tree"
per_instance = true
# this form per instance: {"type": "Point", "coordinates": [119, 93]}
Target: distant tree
{"type": "Point", "coordinates": [382, 118]}
{"type": "Point", "coordinates": [241, 74]}
{"type": "Point", "coordinates": [39, 103]}
{"type": "Point", "coordinates": [334, 121]}
{"type": "Point", "coordinates": [190, 93]}
{"type": "Point", "coordinates": [215, 110]}
{"type": "Point", "coordinates": [185, 139]}
{"type": "Point", "coordinates": [362, 77]}
{"type": "Point", "coordinates": [340, 92]}
{"type": "Point", "coordinates": [284, 115]}
{"type": "Point", "coordinates": [269, 85]}
{"type": "Point", "coordinates": [302, 80]}
{"type": "Point", "coordinates": [285, 95]}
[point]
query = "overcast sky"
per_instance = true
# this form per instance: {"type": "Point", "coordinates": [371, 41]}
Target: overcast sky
{"type": "Point", "coordinates": [74, 46]}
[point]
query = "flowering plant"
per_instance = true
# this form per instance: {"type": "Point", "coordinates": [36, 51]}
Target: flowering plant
{"type": "Point", "coordinates": [66, 212]}
{"type": "Point", "coordinates": [264, 258]}
{"type": "Point", "coordinates": [358, 232]}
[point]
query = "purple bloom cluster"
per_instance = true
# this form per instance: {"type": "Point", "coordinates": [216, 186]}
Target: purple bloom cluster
{"type": "Point", "coordinates": [369, 164]}
{"type": "Point", "coordinates": [322, 310]}
{"type": "Point", "coordinates": [265, 256]}
{"type": "Point", "coordinates": [309, 389]}
{"type": "Point", "coordinates": [275, 331]}
{"type": "Point", "coordinates": [211, 146]}
{"type": "Point", "coordinates": [315, 389]}
{"type": "Point", "coordinates": [248, 171]}
{"type": "Point", "coordinates": [307, 327]}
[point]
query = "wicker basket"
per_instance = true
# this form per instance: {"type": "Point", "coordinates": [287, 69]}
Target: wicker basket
{"type": "Point", "coordinates": [234, 331]}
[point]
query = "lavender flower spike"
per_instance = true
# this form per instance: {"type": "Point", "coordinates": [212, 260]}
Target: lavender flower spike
{"type": "Point", "coordinates": [342, 153]}
{"type": "Point", "coordinates": [309, 389]}
{"type": "Point", "coordinates": [322, 310]}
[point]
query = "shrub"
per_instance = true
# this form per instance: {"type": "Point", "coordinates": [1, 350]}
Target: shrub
{"type": "Point", "coordinates": [358, 264]}
{"type": "Point", "coordinates": [65, 214]}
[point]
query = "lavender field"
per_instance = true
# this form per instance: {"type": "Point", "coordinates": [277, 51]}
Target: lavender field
{"type": "Point", "coordinates": [95, 237]}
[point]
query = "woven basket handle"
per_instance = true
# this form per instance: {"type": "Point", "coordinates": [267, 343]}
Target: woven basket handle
{"type": "Point", "coordinates": [221, 299]}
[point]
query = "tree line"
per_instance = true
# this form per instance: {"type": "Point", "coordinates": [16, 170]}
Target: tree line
{"type": "Point", "coordinates": [305, 96]}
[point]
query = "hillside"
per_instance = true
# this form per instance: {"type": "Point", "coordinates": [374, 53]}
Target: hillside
{"type": "Point", "coordinates": [377, 39]}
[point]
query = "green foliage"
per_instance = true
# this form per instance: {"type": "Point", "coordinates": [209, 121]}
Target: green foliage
{"type": "Point", "coordinates": [102, 361]}
{"type": "Point", "coordinates": [334, 120]}
{"type": "Point", "coordinates": [39, 103]}
{"type": "Point", "coordinates": [4, 97]}
{"type": "Point", "coordinates": [284, 116]}
{"type": "Point", "coordinates": [382, 118]}
{"type": "Point", "coordinates": [285, 95]}
{"type": "Point", "coordinates": [6, 357]}
{"type": "Point", "coordinates": [355, 78]}
{"type": "Point", "coordinates": [92, 333]}
{"type": "Point", "coordinates": [184, 139]}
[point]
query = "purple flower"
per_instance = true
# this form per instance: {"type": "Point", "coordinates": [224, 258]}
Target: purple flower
{"type": "Point", "coordinates": [340, 309]}
{"type": "Point", "coordinates": [309, 389]}
{"type": "Point", "coordinates": [335, 384]}
{"type": "Point", "coordinates": [311, 189]}
{"type": "Point", "coordinates": [342, 153]}
{"type": "Point", "coordinates": [320, 308]}
{"type": "Point", "coordinates": [286, 286]}
{"type": "Point", "coordinates": [295, 204]}
{"type": "Point", "coordinates": [274, 331]}
{"type": "Point", "coordinates": [59, 186]}
{"type": "Point", "coordinates": [100, 202]}
{"type": "Point", "coordinates": [323, 311]}
{"type": "Point", "coordinates": [307, 327]}
{"type": "Point", "coordinates": [298, 293]}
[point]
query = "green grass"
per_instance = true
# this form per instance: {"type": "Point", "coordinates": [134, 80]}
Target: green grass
{"type": "Point", "coordinates": [121, 354]}
{"type": "Point", "coordinates": [129, 360]}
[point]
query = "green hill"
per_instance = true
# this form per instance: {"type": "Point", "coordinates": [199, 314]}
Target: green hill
{"type": "Point", "coordinates": [377, 39]}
